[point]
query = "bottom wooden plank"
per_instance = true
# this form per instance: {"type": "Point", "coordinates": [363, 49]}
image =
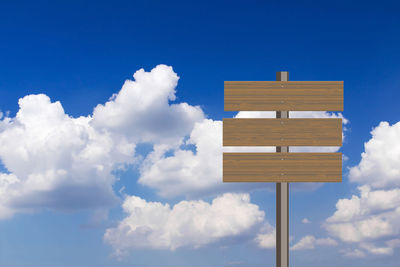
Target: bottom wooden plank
{"type": "Point", "coordinates": [282, 167]}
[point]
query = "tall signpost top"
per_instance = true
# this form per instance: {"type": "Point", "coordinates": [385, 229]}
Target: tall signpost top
{"type": "Point", "coordinates": [282, 76]}
{"type": "Point", "coordinates": [282, 167]}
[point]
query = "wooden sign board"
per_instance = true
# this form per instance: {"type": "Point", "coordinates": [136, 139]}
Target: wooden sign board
{"type": "Point", "coordinates": [282, 132]}
{"type": "Point", "coordinates": [282, 167]}
{"type": "Point", "coordinates": [282, 95]}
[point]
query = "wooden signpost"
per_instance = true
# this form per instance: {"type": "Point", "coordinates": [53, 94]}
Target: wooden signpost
{"type": "Point", "coordinates": [282, 167]}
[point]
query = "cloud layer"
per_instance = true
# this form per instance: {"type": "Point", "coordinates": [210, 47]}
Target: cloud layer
{"type": "Point", "coordinates": [58, 162]}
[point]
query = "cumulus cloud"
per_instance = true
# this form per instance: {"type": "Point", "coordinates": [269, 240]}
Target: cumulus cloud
{"type": "Point", "coordinates": [365, 249]}
{"type": "Point", "coordinates": [187, 171]}
{"type": "Point", "coordinates": [59, 162]}
{"type": "Point", "coordinates": [373, 216]}
{"type": "Point", "coordinates": [305, 221]}
{"type": "Point", "coordinates": [370, 217]}
{"type": "Point", "coordinates": [380, 162]}
{"type": "Point", "coordinates": [310, 241]}
{"type": "Point", "coordinates": [56, 161]}
{"type": "Point", "coordinates": [353, 253]}
{"type": "Point", "coordinates": [141, 110]}
{"type": "Point", "coordinates": [371, 248]}
{"type": "Point", "coordinates": [186, 224]}
{"type": "Point", "coordinates": [266, 238]}
{"type": "Point", "coordinates": [370, 202]}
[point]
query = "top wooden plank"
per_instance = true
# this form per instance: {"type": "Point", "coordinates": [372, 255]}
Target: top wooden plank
{"type": "Point", "coordinates": [279, 95]}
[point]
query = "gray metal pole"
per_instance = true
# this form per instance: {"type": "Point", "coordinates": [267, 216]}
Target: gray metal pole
{"type": "Point", "coordinates": [282, 200]}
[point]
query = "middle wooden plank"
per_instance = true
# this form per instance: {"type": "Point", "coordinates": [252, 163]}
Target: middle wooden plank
{"type": "Point", "coordinates": [282, 132]}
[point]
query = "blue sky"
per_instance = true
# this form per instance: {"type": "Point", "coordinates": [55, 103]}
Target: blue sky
{"type": "Point", "coordinates": [70, 163]}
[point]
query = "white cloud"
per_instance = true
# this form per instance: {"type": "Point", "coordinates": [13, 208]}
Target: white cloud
{"type": "Point", "coordinates": [353, 253]}
{"type": "Point", "coordinates": [186, 172]}
{"type": "Point", "coordinates": [266, 238]}
{"type": "Point", "coordinates": [371, 248]}
{"type": "Point", "coordinates": [141, 110]}
{"type": "Point", "coordinates": [372, 216]}
{"type": "Point", "coordinates": [256, 114]}
{"type": "Point", "coordinates": [305, 221]}
{"type": "Point", "coordinates": [310, 241]}
{"type": "Point", "coordinates": [369, 203]}
{"type": "Point", "coordinates": [58, 162]}
{"type": "Point", "coordinates": [7, 181]}
{"type": "Point", "coordinates": [370, 228]}
{"type": "Point", "coordinates": [380, 162]}
{"type": "Point", "coordinates": [188, 223]}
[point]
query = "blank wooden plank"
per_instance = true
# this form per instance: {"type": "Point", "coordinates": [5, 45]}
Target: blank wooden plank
{"type": "Point", "coordinates": [280, 95]}
{"type": "Point", "coordinates": [282, 167]}
{"type": "Point", "coordinates": [282, 132]}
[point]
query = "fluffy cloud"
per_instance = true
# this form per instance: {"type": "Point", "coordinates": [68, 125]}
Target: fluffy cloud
{"type": "Point", "coordinates": [188, 223]}
{"type": "Point", "coordinates": [352, 253]}
{"type": "Point", "coordinates": [376, 214]}
{"type": "Point", "coordinates": [365, 248]}
{"type": "Point", "coordinates": [380, 162]}
{"type": "Point", "coordinates": [373, 216]}
{"type": "Point", "coordinates": [370, 202]}
{"type": "Point", "coordinates": [186, 171]}
{"type": "Point", "coordinates": [58, 162]}
{"type": "Point", "coordinates": [358, 224]}
{"type": "Point", "coordinates": [371, 248]}
{"type": "Point", "coordinates": [309, 242]}
{"type": "Point", "coordinates": [266, 238]}
{"type": "Point", "coordinates": [141, 110]}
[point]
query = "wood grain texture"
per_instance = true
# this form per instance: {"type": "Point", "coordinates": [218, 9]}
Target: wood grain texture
{"type": "Point", "coordinates": [282, 132]}
{"type": "Point", "coordinates": [282, 167]}
{"type": "Point", "coordinates": [279, 95]}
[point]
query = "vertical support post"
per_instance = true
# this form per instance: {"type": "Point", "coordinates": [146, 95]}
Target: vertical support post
{"type": "Point", "coordinates": [282, 200]}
